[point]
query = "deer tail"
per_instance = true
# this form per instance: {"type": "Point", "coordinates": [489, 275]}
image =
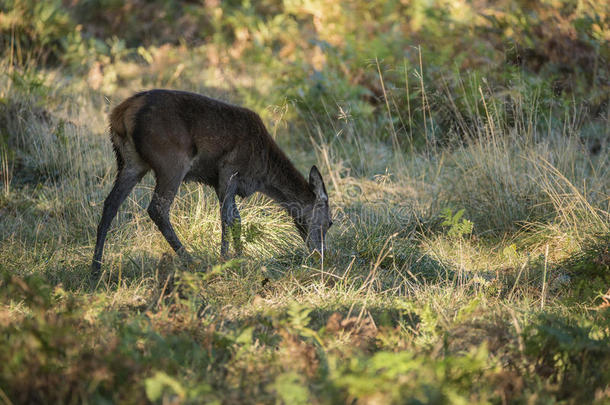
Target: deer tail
{"type": "Point", "coordinates": [122, 123]}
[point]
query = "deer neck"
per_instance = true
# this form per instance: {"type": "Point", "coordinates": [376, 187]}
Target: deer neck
{"type": "Point", "coordinates": [287, 186]}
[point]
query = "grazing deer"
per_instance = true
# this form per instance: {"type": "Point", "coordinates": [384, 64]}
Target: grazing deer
{"type": "Point", "coordinates": [185, 136]}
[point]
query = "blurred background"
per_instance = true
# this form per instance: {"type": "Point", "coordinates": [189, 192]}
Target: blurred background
{"type": "Point", "coordinates": [321, 52]}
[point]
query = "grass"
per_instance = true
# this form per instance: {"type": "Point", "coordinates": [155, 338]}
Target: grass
{"type": "Point", "coordinates": [468, 262]}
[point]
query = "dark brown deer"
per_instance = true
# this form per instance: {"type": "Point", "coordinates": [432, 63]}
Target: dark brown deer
{"type": "Point", "coordinates": [184, 136]}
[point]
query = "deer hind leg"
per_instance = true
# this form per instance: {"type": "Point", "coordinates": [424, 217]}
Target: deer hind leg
{"type": "Point", "coordinates": [159, 208]}
{"type": "Point", "coordinates": [126, 179]}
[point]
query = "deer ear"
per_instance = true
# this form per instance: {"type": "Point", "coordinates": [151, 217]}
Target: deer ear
{"type": "Point", "coordinates": [317, 184]}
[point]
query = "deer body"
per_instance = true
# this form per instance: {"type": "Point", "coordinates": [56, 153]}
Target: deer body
{"type": "Point", "coordinates": [183, 136]}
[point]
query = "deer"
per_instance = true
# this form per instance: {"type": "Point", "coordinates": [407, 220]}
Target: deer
{"type": "Point", "coordinates": [183, 136]}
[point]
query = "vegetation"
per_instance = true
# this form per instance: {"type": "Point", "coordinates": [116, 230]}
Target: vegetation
{"type": "Point", "coordinates": [465, 146]}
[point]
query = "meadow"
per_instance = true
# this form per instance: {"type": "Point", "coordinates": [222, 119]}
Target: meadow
{"type": "Point", "coordinates": [465, 148]}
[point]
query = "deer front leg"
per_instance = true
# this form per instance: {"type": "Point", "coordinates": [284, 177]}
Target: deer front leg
{"type": "Point", "coordinates": [235, 227]}
{"type": "Point", "coordinates": [231, 224]}
{"type": "Point", "coordinates": [229, 214]}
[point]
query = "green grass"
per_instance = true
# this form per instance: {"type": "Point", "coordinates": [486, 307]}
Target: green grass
{"type": "Point", "coordinates": [469, 261]}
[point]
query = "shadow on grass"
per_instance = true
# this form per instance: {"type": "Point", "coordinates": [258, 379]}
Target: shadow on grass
{"type": "Point", "coordinates": [126, 271]}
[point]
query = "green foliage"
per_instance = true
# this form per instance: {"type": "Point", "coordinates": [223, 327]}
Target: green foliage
{"type": "Point", "coordinates": [45, 353]}
{"type": "Point", "coordinates": [161, 388]}
{"type": "Point", "coordinates": [458, 226]}
{"type": "Point", "coordinates": [394, 378]}
{"type": "Point", "coordinates": [571, 352]}
{"type": "Point", "coordinates": [590, 270]}
{"type": "Point", "coordinates": [291, 390]}
{"type": "Point", "coordinates": [31, 29]}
